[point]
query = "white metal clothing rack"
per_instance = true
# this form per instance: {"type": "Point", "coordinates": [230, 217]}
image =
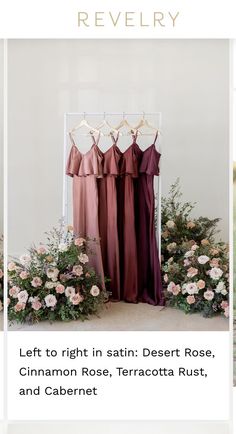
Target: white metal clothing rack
{"type": "Point", "coordinates": [75, 115]}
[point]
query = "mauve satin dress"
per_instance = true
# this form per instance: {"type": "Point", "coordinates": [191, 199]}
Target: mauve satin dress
{"type": "Point", "coordinates": [85, 169]}
{"type": "Point", "coordinates": [108, 228]}
{"type": "Point", "coordinates": [149, 273]}
{"type": "Point", "coordinates": [127, 232]}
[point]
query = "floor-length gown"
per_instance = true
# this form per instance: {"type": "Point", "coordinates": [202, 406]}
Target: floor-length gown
{"type": "Point", "coordinates": [108, 219]}
{"type": "Point", "coordinates": [149, 272]}
{"type": "Point", "coordinates": [85, 169]}
{"type": "Point", "coordinates": [127, 232]}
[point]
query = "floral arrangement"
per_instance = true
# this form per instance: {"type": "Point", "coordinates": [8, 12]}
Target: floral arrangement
{"type": "Point", "coordinates": [195, 268]}
{"type": "Point", "coordinates": [54, 281]}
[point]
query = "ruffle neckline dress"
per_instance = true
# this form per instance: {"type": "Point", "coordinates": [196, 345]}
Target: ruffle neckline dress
{"type": "Point", "coordinates": [113, 203]}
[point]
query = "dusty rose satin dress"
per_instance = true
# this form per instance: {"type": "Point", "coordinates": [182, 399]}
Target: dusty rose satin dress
{"type": "Point", "coordinates": [85, 169]}
{"type": "Point", "coordinates": [108, 225]}
{"type": "Point", "coordinates": [149, 273]}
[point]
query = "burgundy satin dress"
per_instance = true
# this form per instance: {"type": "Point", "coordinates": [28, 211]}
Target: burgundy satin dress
{"type": "Point", "coordinates": [108, 224]}
{"type": "Point", "coordinates": [149, 273]}
{"type": "Point", "coordinates": [85, 170]}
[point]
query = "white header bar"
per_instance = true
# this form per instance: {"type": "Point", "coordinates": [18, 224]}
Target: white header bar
{"type": "Point", "coordinates": [120, 19]}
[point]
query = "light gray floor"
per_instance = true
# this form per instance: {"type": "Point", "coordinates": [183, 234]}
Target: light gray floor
{"type": "Point", "coordinates": [118, 427]}
{"type": "Point", "coordinates": [141, 317]}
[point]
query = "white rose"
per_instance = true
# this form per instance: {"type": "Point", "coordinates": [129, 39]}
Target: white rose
{"type": "Point", "coordinates": [94, 291]}
{"type": "Point", "coordinates": [50, 300]}
{"type": "Point", "coordinates": [52, 273]}
{"type": "Point", "coordinates": [25, 259]}
{"type": "Point", "coordinates": [70, 291]}
{"type": "Point", "coordinates": [23, 296]}
{"type": "Point", "coordinates": [220, 287]}
{"type": "Point", "coordinates": [189, 254]}
{"type": "Point", "coordinates": [170, 224]}
{"type": "Point", "coordinates": [208, 295]}
{"type": "Point", "coordinates": [49, 285]}
{"type": "Point", "coordinates": [215, 273]}
{"type": "Point", "coordinates": [83, 258]}
{"type": "Point", "coordinates": [203, 259]}
{"type": "Point", "coordinates": [191, 288]}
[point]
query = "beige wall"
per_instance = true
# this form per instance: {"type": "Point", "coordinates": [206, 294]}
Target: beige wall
{"type": "Point", "coordinates": [187, 80]}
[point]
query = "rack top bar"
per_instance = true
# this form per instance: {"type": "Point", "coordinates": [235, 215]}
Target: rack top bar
{"type": "Point", "coordinates": [112, 114]}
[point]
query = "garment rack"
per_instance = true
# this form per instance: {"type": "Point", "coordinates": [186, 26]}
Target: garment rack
{"type": "Point", "coordinates": [68, 115]}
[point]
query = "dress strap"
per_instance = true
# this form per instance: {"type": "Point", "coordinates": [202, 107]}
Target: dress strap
{"type": "Point", "coordinates": [155, 138]}
{"type": "Point", "coordinates": [95, 142]}
{"type": "Point", "coordinates": [71, 139]}
{"type": "Point", "coordinates": [134, 135]}
{"type": "Point", "coordinates": [115, 140]}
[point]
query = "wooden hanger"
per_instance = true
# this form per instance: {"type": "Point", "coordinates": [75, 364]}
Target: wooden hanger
{"type": "Point", "coordinates": [84, 123]}
{"type": "Point", "coordinates": [124, 123]}
{"type": "Point", "coordinates": [144, 123]}
{"type": "Point", "coordinates": [106, 124]}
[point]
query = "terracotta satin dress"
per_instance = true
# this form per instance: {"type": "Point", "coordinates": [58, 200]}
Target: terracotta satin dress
{"type": "Point", "coordinates": [149, 273]}
{"type": "Point", "coordinates": [127, 231]}
{"type": "Point", "coordinates": [108, 224]}
{"type": "Point", "coordinates": [85, 170]}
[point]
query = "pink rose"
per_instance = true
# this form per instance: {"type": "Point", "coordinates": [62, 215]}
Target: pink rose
{"type": "Point", "coordinates": [190, 299]}
{"type": "Point", "coordinates": [176, 290]}
{"type": "Point", "coordinates": [201, 284]}
{"type": "Point", "coordinates": [14, 291]}
{"type": "Point", "coordinates": [12, 266]}
{"type": "Point", "coordinates": [24, 275]}
{"type": "Point", "coordinates": [214, 262]}
{"type": "Point", "coordinates": [19, 306]}
{"type": "Point", "coordinates": [191, 272]}
{"type": "Point", "coordinates": [60, 289]}
{"type": "Point", "coordinates": [79, 241]}
{"type": "Point", "coordinates": [36, 304]}
{"type": "Point", "coordinates": [187, 262]}
{"type": "Point", "coordinates": [208, 295]}
{"type": "Point", "coordinates": [37, 281]}
{"type": "Point", "coordinates": [171, 286]}
{"type": "Point", "coordinates": [194, 247]}
{"type": "Point", "coordinates": [41, 250]}
{"type": "Point", "coordinates": [23, 296]}
{"type": "Point", "coordinates": [224, 304]}
{"type": "Point", "coordinates": [76, 299]}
